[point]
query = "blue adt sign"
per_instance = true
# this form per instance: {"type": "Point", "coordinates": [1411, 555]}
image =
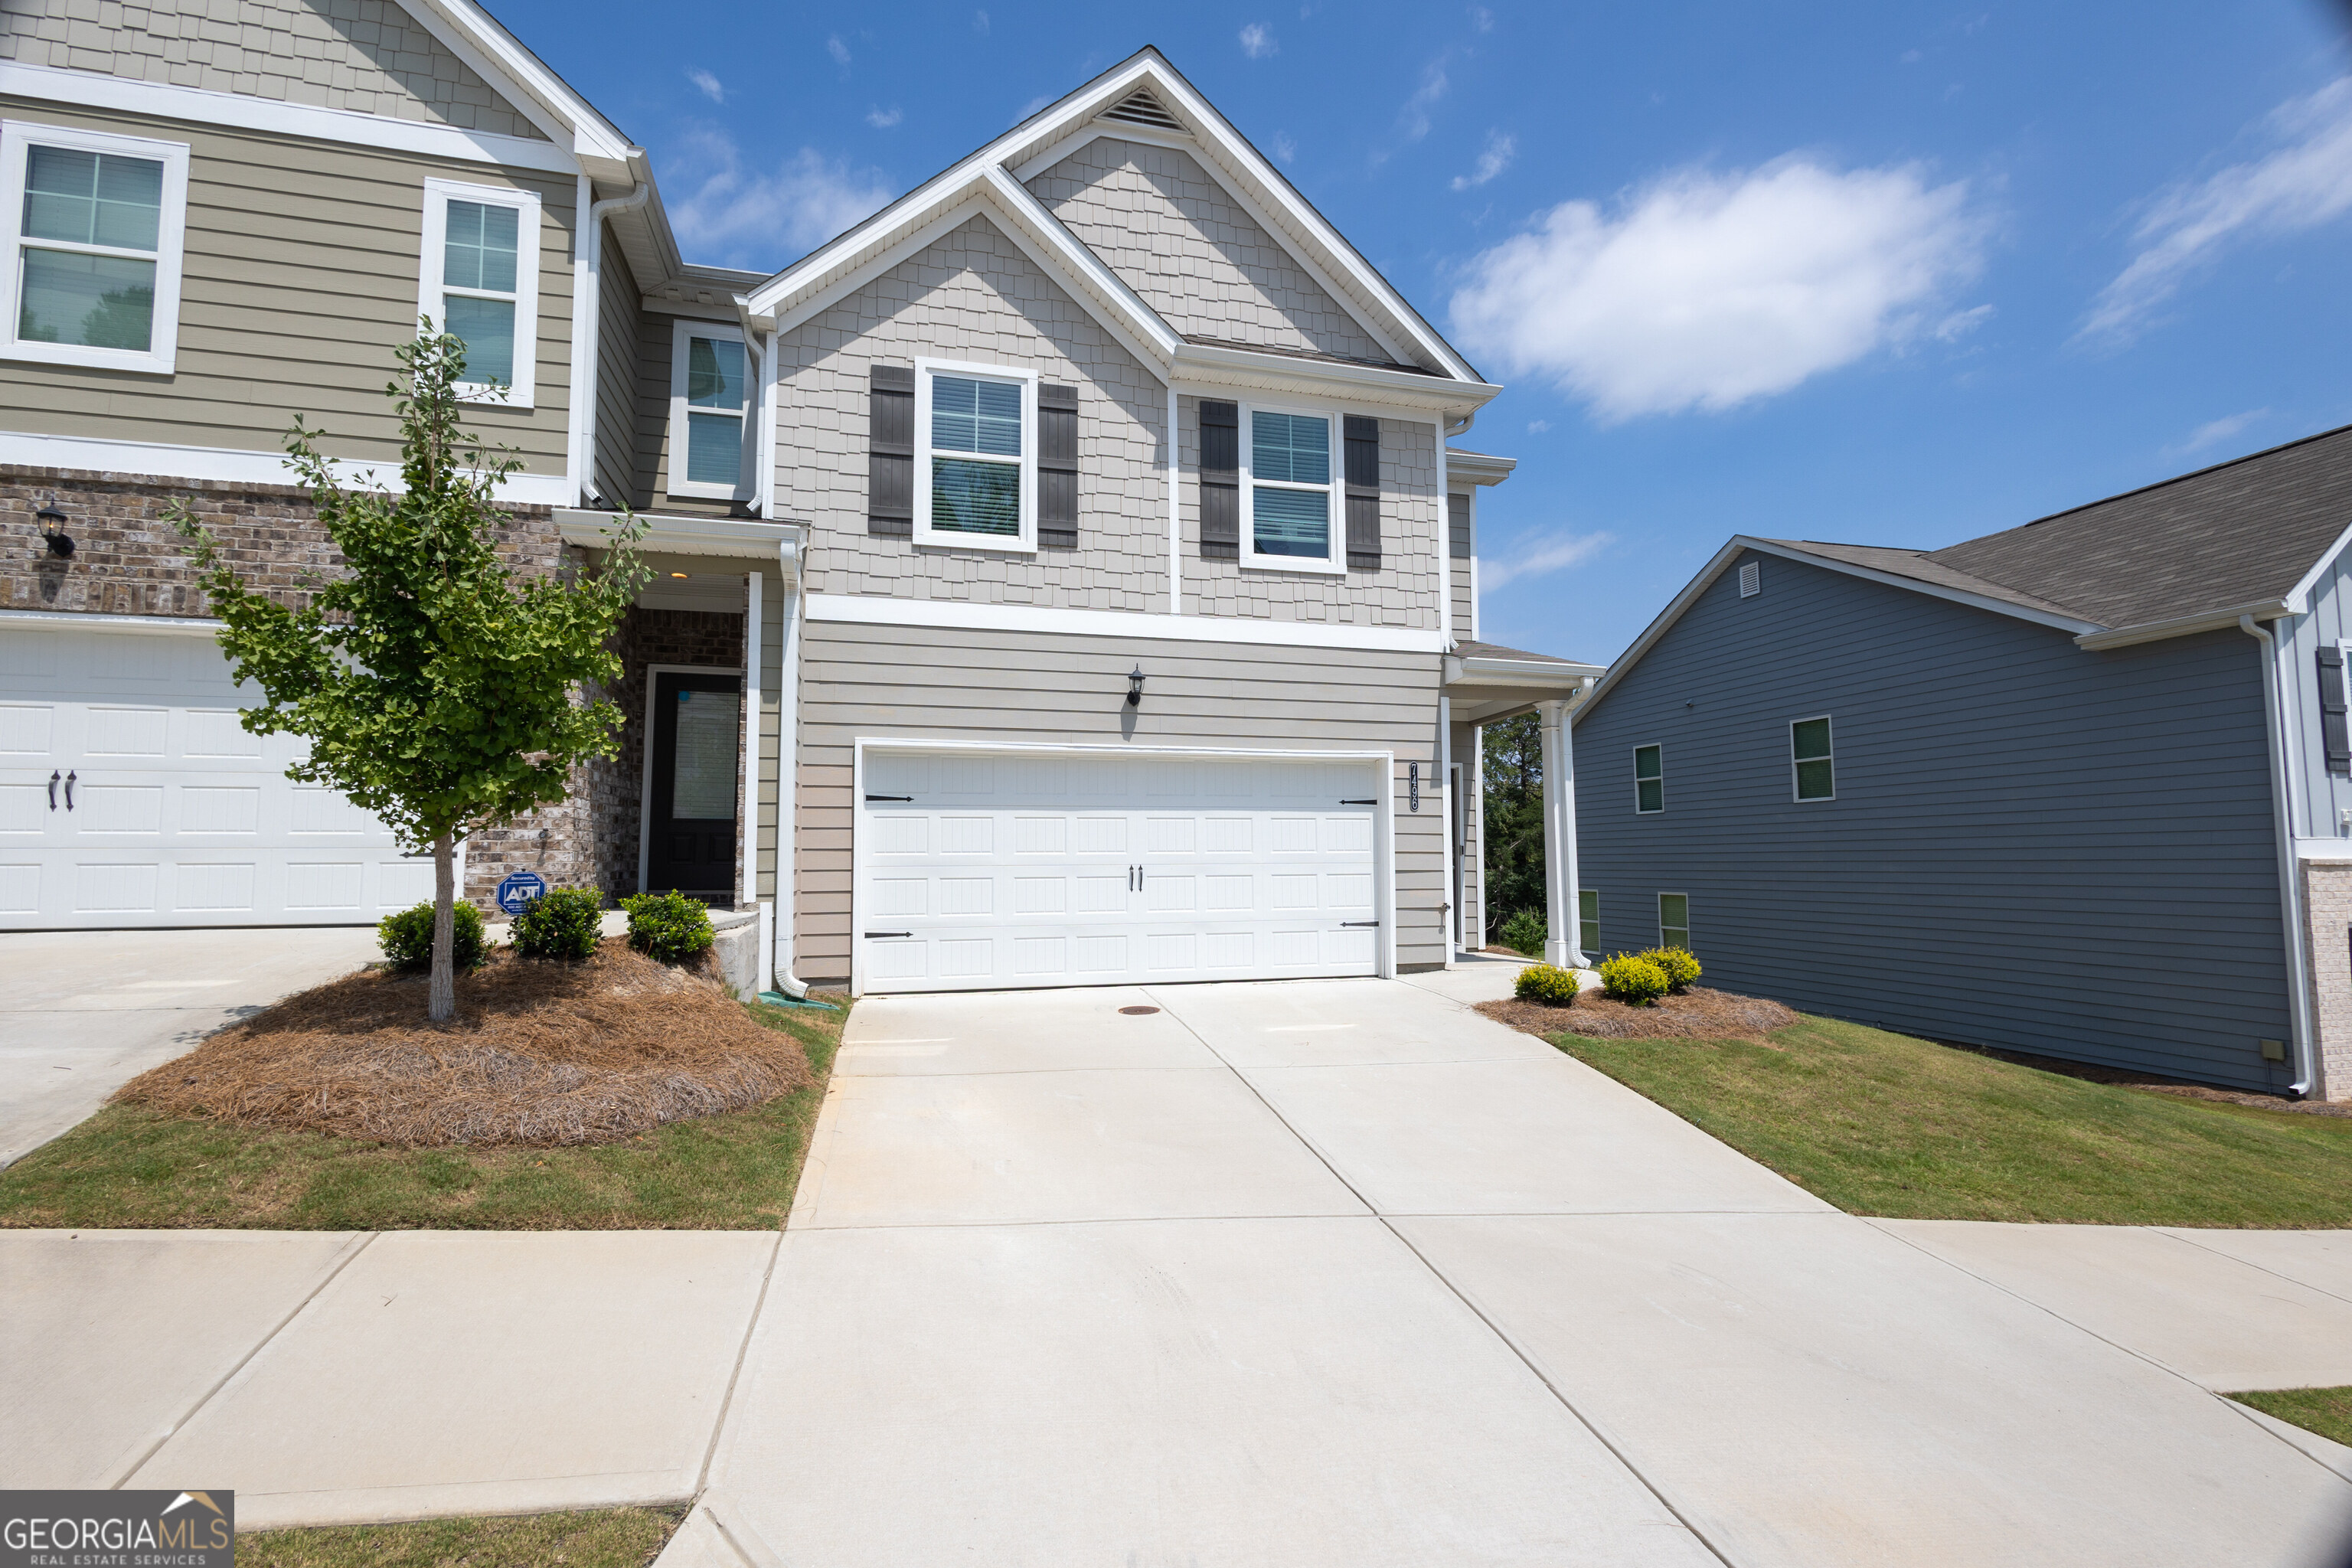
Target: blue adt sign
{"type": "Point", "coordinates": [519, 889]}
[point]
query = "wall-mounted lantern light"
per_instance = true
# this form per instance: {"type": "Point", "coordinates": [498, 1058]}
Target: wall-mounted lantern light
{"type": "Point", "coordinates": [53, 529]}
{"type": "Point", "coordinates": [1135, 687]}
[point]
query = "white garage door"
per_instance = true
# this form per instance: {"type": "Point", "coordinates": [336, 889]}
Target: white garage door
{"type": "Point", "coordinates": [130, 796]}
{"type": "Point", "coordinates": [980, 870]}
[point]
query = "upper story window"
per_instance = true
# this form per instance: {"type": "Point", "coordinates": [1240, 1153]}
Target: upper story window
{"type": "Point", "coordinates": [975, 456]}
{"type": "Point", "coordinates": [1809, 756]}
{"type": "Point", "coordinates": [709, 402]}
{"type": "Point", "coordinates": [94, 226]}
{"type": "Point", "coordinates": [1287, 509]}
{"type": "Point", "coordinates": [1649, 779]}
{"type": "Point", "coordinates": [479, 281]}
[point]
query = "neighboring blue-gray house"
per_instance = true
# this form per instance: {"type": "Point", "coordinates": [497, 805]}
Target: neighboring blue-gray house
{"type": "Point", "coordinates": [2082, 788]}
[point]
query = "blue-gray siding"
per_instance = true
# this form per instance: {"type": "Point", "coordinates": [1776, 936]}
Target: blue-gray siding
{"type": "Point", "coordinates": [2033, 846]}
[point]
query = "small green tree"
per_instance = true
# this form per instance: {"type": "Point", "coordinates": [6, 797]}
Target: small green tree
{"type": "Point", "coordinates": [1513, 763]}
{"type": "Point", "coordinates": [438, 689]}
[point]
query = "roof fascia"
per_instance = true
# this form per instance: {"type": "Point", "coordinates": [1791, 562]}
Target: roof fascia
{"type": "Point", "coordinates": [1474, 670]}
{"type": "Point", "coordinates": [2298, 598]}
{"type": "Point", "coordinates": [1212, 369]}
{"type": "Point", "coordinates": [1095, 128]}
{"type": "Point", "coordinates": [1478, 468]}
{"type": "Point", "coordinates": [2184, 625]}
{"type": "Point", "coordinates": [476, 37]}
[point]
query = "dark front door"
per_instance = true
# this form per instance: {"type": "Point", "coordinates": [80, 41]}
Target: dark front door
{"type": "Point", "coordinates": [698, 740]}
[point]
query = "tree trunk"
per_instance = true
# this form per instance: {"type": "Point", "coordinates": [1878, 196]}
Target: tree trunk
{"type": "Point", "coordinates": [441, 1004]}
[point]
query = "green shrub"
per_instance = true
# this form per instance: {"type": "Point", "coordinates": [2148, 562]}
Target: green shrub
{"type": "Point", "coordinates": [1630, 977]}
{"type": "Point", "coordinates": [669, 926]}
{"type": "Point", "coordinates": [558, 923]}
{"type": "Point", "coordinates": [1679, 963]}
{"type": "Point", "coordinates": [407, 937]}
{"type": "Point", "coordinates": [1525, 932]}
{"type": "Point", "coordinates": [1547, 984]}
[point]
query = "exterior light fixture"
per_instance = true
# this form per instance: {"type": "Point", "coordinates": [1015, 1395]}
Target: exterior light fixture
{"type": "Point", "coordinates": [677, 574]}
{"type": "Point", "coordinates": [53, 529]}
{"type": "Point", "coordinates": [1135, 687]}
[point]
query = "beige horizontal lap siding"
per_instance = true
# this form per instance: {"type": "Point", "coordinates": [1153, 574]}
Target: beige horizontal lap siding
{"type": "Point", "coordinates": [974, 296]}
{"type": "Point", "coordinates": [1403, 593]}
{"type": "Point", "coordinates": [907, 683]}
{"type": "Point", "coordinates": [656, 344]}
{"type": "Point", "coordinates": [618, 356]}
{"type": "Point", "coordinates": [1195, 255]}
{"type": "Point", "coordinates": [299, 281]}
{"type": "Point", "coordinates": [1459, 550]}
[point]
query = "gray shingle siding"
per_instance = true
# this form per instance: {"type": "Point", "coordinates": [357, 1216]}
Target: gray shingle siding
{"type": "Point", "coordinates": [2033, 846]}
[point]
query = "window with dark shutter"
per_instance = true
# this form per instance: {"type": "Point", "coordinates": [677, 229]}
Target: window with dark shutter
{"type": "Point", "coordinates": [890, 451]}
{"type": "Point", "coordinates": [1221, 482]}
{"type": "Point", "coordinates": [2333, 733]}
{"type": "Point", "coordinates": [1057, 468]}
{"type": "Point", "coordinates": [1363, 493]}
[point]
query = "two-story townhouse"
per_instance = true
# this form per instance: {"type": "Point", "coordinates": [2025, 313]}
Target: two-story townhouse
{"type": "Point", "coordinates": [1062, 577]}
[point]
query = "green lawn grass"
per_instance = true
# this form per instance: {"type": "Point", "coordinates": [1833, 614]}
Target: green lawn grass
{"type": "Point", "coordinates": [2327, 1411]}
{"type": "Point", "coordinates": [609, 1538]}
{"type": "Point", "coordinates": [1881, 1123]}
{"type": "Point", "coordinates": [129, 1167]}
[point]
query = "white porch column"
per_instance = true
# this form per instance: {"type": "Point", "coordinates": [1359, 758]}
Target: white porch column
{"type": "Point", "coordinates": [1559, 836]}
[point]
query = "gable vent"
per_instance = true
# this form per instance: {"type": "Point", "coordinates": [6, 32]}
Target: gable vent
{"type": "Point", "coordinates": [1751, 580]}
{"type": "Point", "coordinates": [1139, 107]}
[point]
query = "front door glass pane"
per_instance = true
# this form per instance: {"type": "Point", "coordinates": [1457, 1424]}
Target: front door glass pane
{"type": "Point", "coordinates": [703, 777]}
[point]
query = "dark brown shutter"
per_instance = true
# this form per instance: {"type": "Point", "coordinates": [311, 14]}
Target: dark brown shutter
{"type": "Point", "coordinates": [890, 451]}
{"type": "Point", "coordinates": [2332, 731]}
{"type": "Point", "coordinates": [1221, 482]}
{"type": "Point", "coordinates": [1363, 493]}
{"type": "Point", "coordinates": [1057, 468]}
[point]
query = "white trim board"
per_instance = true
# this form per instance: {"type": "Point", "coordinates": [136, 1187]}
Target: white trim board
{"type": "Point", "coordinates": [160, 460]}
{"type": "Point", "coordinates": [81, 621]}
{"type": "Point", "coordinates": [236, 111]}
{"type": "Point", "coordinates": [859, 610]}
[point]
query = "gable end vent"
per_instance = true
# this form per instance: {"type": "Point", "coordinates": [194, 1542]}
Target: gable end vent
{"type": "Point", "coordinates": [1751, 580]}
{"type": "Point", "coordinates": [1139, 107]}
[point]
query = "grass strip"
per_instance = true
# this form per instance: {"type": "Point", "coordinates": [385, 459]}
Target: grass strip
{"type": "Point", "coordinates": [603, 1537]}
{"type": "Point", "coordinates": [2327, 1411]}
{"type": "Point", "coordinates": [1881, 1123]}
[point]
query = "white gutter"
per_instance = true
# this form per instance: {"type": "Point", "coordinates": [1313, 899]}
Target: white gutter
{"type": "Point", "coordinates": [2182, 626]}
{"type": "Point", "coordinates": [589, 307]}
{"type": "Point", "coordinates": [2274, 722]}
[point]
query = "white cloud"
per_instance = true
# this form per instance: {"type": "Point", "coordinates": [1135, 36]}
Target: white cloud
{"type": "Point", "coordinates": [1482, 19]}
{"type": "Point", "coordinates": [1500, 151]}
{"type": "Point", "coordinates": [882, 119]}
{"type": "Point", "coordinates": [732, 214]}
{"type": "Point", "coordinates": [1960, 323]}
{"type": "Point", "coordinates": [1257, 41]}
{"type": "Point", "coordinates": [1537, 557]}
{"type": "Point", "coordinates": [710, 84]}
{"type": "Point", "coordinates": [1537, 426]}
{"type": "Point", "coordinates": [838, 50]}
{"type": "Point", "coordinates": [980, 21]}
{"type": "Point", "coordinates": [1285, 149]}
{"type": "Point", "coordinates": [1413, 120]}
{"type": "Point", "coordinates": [2213, 432]}
{"type": "Point", "coordinates": [2304, 182]}
{"type": "Point", "coordinates": [1705, 290]}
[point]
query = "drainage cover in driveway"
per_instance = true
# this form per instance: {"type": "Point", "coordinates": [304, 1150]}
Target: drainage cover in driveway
{"type": "Point", "coordinates": [1137, 1012]}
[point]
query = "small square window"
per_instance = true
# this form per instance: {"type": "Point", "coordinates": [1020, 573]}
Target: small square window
{"type": "Point", "coordinates": [1673, 920]}
{"type": "Point", "coordinates": [975, 456]}
{"type": "Point", "coordinates": [1649, 779]}
{"type": "Point", "coordinates": [1809, 755]}
{"type": "Point", "coordinates": [1291, 505]}
{"type": "Point", "coordinates": [1588, 920]}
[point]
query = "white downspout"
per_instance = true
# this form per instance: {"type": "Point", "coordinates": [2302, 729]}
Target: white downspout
{"type": "Point", "coordinates": [590, 306]}
{"type": "Point", "coordinates": [2298, 968]}
{"type": "Point", "coordinates": [1449, 914]}
{"type": "Point", "coordinates": [1559, 836]}
{"type": "Point", "coordinates": [788, 751]}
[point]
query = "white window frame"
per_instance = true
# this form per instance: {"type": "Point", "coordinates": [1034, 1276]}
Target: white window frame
{"type": "Point", "coordinates": [1334, 562]}
{"type": "Point", "coordinates": [17, 138]}
{"type": "Point", "coordinates": [1659, 747]}
{"type": "Point", "coordinates": [1830, 758]}
{"type": "Point", "coordinates": [438, 194]}
{"type": "Point", "coordinates": [1026, 543]}
{"type": "Point", "coordinates": [1683, 928]}
{"type": "Point", "coordinates": [679, 484]}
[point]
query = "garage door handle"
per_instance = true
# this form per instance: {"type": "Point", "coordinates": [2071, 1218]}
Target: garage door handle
{"type": "Point", "coordinates": [1345, 923]}
{"type": "Point", "coordinates": [70, 783]}
{"type": "Point", "coordinates": [908, 798]}
{"type": "Point", "coordinates": [875, 933]}
{"type": "Point", "coordinates": [54, 776]}
{"type": "Point", "coordinates": [1359, 803]}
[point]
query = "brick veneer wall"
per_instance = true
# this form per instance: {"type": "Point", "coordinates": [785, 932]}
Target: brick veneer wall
{"type": "Point", "coordinates": [2327, 925]}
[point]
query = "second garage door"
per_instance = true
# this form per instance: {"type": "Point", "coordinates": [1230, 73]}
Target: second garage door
{"type": "Point", "coordinates": [983, 870]}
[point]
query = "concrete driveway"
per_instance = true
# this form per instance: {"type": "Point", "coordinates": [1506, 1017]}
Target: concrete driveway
{"type": "Point", "coordinates": [1341, 1272]}
{"type": "Point", "coordinates": [83, 1012]}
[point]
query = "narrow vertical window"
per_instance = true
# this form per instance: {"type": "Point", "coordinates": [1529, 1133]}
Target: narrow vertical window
{"type": "Point", "coordinates": [1288, 489]}
{"type": "Point", "coordinates": [1809, 755]}
{"type": "Point", "coordinates": [1588, 920]}
{"type": "Point", "coordinates": [479, 283]}
{"type": "Point", "coordinates": [1649, 779]}
{"type": "Point", "coordinates": [709, 412]}
{"type": "Point", "coordinates": [976, 456]}
{"type": "Point", "coordinates": [93, 228]}
{"type": "Point", "coordinates": [1673, 920]}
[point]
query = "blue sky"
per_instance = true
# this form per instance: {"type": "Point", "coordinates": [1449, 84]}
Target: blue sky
{"type": "Point", "coordinates": [1878, 273]}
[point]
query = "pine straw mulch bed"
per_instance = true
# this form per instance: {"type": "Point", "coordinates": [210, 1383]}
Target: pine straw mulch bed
{"type": "Point", "coordinates": [542, 1054]}
{"type": "Point", "coordinates": [1698, 1014]}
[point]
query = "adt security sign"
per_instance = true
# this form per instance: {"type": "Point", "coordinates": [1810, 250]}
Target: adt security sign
{"type": "Point", "coordinates": [519, 889]}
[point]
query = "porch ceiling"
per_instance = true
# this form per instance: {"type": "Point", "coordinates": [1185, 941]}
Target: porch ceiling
{"type": "Point", "coordinates": [1485, 683]}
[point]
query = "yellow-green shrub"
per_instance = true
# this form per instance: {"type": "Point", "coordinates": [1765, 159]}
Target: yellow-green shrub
{"type": "Point", "coordinates": [1680, 965]}
{"type": "Point", "coordinates": [1547, 984]}
{"type": "Point", "coordinates": [1630, 977]}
